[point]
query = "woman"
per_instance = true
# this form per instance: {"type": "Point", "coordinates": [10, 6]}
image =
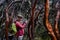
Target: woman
{"type": "Point", "coordinates": [20, 27]}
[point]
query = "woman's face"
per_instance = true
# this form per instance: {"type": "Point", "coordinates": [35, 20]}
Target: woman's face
{"type": "Point", "coordinates": [19, 18]}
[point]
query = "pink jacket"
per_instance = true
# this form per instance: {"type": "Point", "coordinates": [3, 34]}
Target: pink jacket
{"type": "Point", "coordinates": [20, 28]}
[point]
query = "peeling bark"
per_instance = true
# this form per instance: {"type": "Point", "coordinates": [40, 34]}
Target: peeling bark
{"type": "Point", "coordinates": [47, 23]}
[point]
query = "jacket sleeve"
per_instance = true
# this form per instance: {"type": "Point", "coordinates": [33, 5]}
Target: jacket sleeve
{"type": "Point", "coordinates": [18, 24]}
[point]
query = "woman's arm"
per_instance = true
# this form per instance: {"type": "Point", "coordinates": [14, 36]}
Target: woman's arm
{"type": "Point", "coordinates": [20, 25]}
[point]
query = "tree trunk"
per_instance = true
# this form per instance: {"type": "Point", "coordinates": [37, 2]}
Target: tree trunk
{"type": "Point", "coordinates": [7, 23]}
{"type": "Point", "coordinates": [29, 30]}
{"type": "Point", "coordinates": [32, 19]}
{"type": "Point", "coordinates": [56, 25]}
{"type": "Point", "coordinates": [47, 23]}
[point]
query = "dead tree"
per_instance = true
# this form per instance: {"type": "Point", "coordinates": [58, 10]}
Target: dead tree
{"type": "Point", "coordinates": [47, 23]}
